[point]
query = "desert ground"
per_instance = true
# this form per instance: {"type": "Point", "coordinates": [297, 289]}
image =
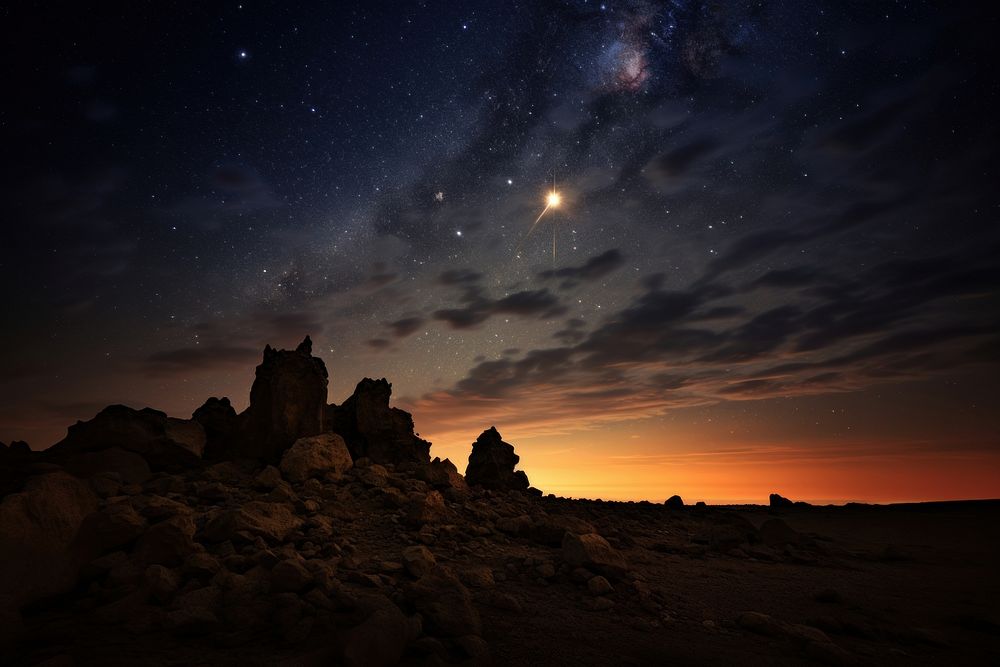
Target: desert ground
{"type": "Point", "coordinates": [301, 533]}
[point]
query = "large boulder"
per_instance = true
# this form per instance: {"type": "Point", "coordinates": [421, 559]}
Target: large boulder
{"type": "Point", "coordinates": [38, 526]}
{"type": "Point", "coordinates": [375, 431]}
{"type": "Point", "coordinates": [287, 402]}
{"type": "Point", "coordinates": [271, 521]}
{"type": "Point", "coordinates": [491, 463]}
{"type": "Point", "coordinates": [445, 604]}
{"type": "Point", "coordinates": [316, 456]}
{"type": "Point", "coordinates": [594, 553]}
{"type": "Point", "coordinates": [220, 422]}
{"type": "Point", "coordinates": [165, 442]}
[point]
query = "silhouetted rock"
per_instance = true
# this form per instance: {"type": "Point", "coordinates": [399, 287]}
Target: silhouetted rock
{"type": "Point", "coordinates": [492, 462]}
{"type": "Point", "coordinates": [674, 503]}
{"type": "Point", "coordinates": [779, 502]}
{"type": "Point", "coordinates": [316, 456]}
{"type": "Point", "coordinates": [443, 476]}
{"type": "Point", "coordinates": [17, 448]}
{"type": "Point", "coordinates": [165, 442]}
{"type": "Point", "coordinates": [287, 402]}
{"type": "Point", "coordinates": [220, 422]}
{"type": "Point", "coordinates": [375, 431]}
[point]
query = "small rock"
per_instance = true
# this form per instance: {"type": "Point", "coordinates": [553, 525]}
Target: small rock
{"type": "Point", "coordinates": [418, 560]}
{"type": "Point", "coordinates": [546, 570]}
{"type": "Point", "coordinates": [599, 586]}
{"type": "Point", "coordinates": [268, 478]}
{"type": "Point", "coordinates": [426, 508]}
{"type": "Point", "coordinates": [167, 543]}
{"type": "Point", "coordinates": [290, 576]}
{"type": "Point", "coordinates": [162, 582]}
{"type": "Point", "coordinates": [200, 564]}
{"type": "Point", "coordinates": [478, 576]}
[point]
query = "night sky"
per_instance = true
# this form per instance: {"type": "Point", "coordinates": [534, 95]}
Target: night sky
{"type": "Point", "coordinates": [776, 259]}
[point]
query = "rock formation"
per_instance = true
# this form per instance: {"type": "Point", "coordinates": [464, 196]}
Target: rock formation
{"type": "Point", "coordinates": [287, 402]}
{"type": "Point", "coordinates": [375, 431]}
{"type": "Point", "coordinates": [777, 501]}
{"type": "Point", "coordinates": [674, 502]}
{"type": "Point", "coordinates": [220, 422]}
{"type": "Point", "coordinates": [165, 442]}
{"type": "Point", "coordinates": [492, 462]}
{"type": "Point", "coordinates": [123, 542]}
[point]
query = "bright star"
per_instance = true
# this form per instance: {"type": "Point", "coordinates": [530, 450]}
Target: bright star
{"type": "Point", "coordinates": [553, 200]}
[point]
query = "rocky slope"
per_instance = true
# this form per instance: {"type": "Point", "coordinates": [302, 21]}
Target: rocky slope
{"type": "Point", "coordinates": [300, 533]}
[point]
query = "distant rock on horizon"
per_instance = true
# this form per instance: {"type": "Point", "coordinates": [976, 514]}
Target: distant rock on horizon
{"type": "Point", "coordinates": [492, 463]}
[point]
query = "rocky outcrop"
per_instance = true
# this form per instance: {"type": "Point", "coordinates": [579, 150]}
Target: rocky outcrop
{"type": "Point", "coordinates": [164, 442]}
{"type": "Point", "coordinates": [492, 462]}
{"type": "Point", "coordinates": [220, 422]}
{"type": "Point", "coordinates": [287, 402]}
{"type": "Point", "coordinates": [674, 503]}
{"type": "Point", "coordinates": [374, 430]}
{"type": "Point", "coordinates": [777, 501]}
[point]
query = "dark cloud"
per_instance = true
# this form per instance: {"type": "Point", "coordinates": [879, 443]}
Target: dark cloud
{"type": "Point", "coordinates": [459, 277]}
{"type": "Point", "coordinates": [287, 325]}
{"type": "Point", "coordinates": [679, 161]}
{"type": "Point", "coordinates": [406, 326]}
{"type": "Point", "coordinates": [529, 303]}
{"type": "Point", "coordinates": [198, 359]}
{"type": "Point", "coordinates": [594, 268]}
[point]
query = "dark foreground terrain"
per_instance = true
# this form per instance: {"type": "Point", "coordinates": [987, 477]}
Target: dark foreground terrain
{"type": "Point", "coordinates": [300, 533]}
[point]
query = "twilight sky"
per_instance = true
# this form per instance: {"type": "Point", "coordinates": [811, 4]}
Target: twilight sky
{"type": "Point", "coordinates": [776, 263]}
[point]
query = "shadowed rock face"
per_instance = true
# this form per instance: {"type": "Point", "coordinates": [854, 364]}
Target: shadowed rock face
{"type": "Point", "coordinates": [375, 431]}
{"type": "Point", "coordinates": [163, 441]}
{"type": "Point", "coordinates": [287, 402]}
{"type": "Point", "coordinates": [219, 420]}
{"type": "Point", "coordinates": [491, 463]}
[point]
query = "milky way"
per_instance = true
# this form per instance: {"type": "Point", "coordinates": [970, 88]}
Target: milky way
{"type": "Point", "coordinates": [778, 219]}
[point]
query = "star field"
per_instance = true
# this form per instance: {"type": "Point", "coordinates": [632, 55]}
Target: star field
{"type": "Point", "coordinates": [777, 220]}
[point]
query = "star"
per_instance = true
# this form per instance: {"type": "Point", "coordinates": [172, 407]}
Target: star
{"type": "Point", "coordinates": [439, 196]}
